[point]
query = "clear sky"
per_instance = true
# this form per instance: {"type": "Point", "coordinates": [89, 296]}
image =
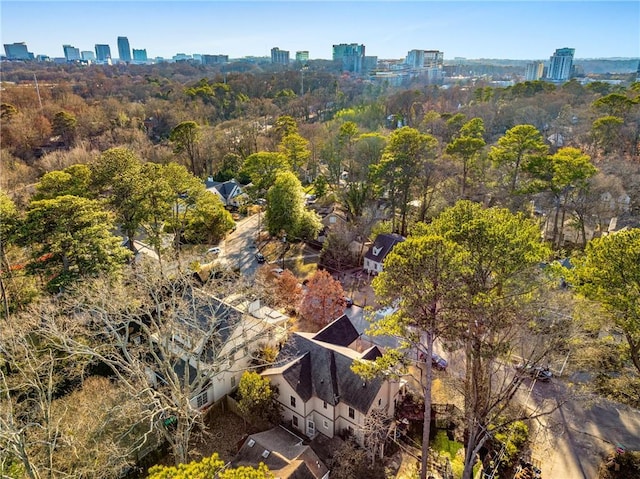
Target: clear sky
{"type": "Point", "coordinates": [472, 29]}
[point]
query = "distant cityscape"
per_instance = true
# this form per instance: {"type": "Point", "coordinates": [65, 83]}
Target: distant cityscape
{"type": "Point", "coordinates": [352, 58]}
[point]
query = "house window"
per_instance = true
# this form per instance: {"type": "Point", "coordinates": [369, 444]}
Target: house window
{"type": "Point", "coordinates": [324, 404]}
{"type": "Point", "coordinates": [203, 399]}
{"type": "Point", "coordinates": [352, 413]}
{"type": "Point", "coordinates": [233, 382]}
{"type": "Point", "coordinates": [293, 401]}
{"type": "Point", "coordinates": [295, 421]}
{"type": "Point", "coordinates": [325, 423]}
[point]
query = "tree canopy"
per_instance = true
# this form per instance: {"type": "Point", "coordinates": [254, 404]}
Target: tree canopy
{"type": "Point", "coordinates": [609, 273]}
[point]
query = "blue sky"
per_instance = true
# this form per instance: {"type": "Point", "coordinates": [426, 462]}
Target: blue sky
{"type": "Point", "coordinates": [472, 29]}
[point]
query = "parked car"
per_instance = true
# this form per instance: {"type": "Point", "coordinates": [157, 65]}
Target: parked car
{"type": "Point", "coordinates": [439, 362]}
{"type": "Point", "coordinates": [277, 271]}
{"type": "Point", "coordinates": [260, 258]}
{"type": "Point", "coordinates": [214, 250]}
{"type": "Point", "coordinates": [536, 372]}
{"type": "Point", "coordinates": [348, 302]}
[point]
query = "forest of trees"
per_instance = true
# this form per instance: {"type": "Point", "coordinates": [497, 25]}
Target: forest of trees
{"type": "Point", "coordinates": [486, 183]}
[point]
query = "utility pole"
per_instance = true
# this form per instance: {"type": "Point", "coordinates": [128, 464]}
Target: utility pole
{"type": "Point", "coordinates": [38, 90]}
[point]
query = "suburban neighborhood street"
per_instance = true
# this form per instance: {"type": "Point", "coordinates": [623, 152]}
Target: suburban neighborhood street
{"type": "Point", "coordinates": [240, 246]}
{"type": "Point", "coordinates": [576, 437]}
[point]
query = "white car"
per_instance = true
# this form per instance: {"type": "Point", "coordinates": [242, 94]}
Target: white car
{"type": "Point", "coordinates": [214, 250]}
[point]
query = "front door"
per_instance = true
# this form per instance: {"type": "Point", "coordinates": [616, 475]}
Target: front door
{"type": "Point", "coordinates": [311, 428]}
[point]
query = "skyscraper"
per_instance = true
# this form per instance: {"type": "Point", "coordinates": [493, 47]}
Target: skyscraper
{"type": "Point", "coordinates": [88, 56]}
{"type": "Point", "coordinates": [280, 57]}
{"type": "Point", "coordinates": [302, 56]}
{"type": "Point", "coordinates": [71, 53]}
{"type": "Point", "coordinates": [561, 65]}
{"type": "Point", "coordinates": [534, 71]}
{"type": "Point", "coordinates": [140, 55]}
{"type": "Point", "coordinates": [124, 50]}
{"type": "Point", "coordinates": [103, 52]}
{"type": "Point", "coordinates": [425, 59]}
{"type": "Point", "coordinates": [17, 51]}
{"type": "Point", "coordinates": [351, 55]}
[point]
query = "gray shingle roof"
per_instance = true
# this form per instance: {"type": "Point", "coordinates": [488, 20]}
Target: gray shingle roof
{"type": "Point", "coordinates": [320, 369]}
{"type": "Point", "coordinates": [225, 188]}
{"type": "Point", "coordinates": [287, 455]}
{"type": "Point", "coordinates": [381, 247]}
{"type": "Point", "coordinates": [340, 332]}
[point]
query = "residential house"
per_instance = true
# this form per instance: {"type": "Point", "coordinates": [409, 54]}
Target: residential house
{"type": "Point", "coordinates": [230, 192]}
{"type": "Point", "coordinates": [381, 247]}
{"type": "Point", "coordinates": [331, 218]}
{"type": "Point", "coordinates": [283, 453]}
{"type": "Point", "coordinates": [214, 342]}
{"type": "Point", "coordinates": [319, 392]}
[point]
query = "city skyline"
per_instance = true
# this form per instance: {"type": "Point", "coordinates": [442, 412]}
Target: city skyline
{"type": "Point", "coordinates": [530, 30]}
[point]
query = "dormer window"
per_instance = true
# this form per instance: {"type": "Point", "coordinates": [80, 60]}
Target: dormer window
{"type": "Point", "coordinates": [376, 250]}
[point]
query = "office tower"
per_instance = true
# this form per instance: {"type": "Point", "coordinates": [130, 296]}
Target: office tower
{"type": "Point", "coordinates": [433, 59]}
{"type": "Point", "coordinates": [425, 59]}
{"type": "Point", "coordinates": [561, 64]}
{"type": "Point", "coordinates": [215, 59]}
{"type": "Point", "coordinates": [302, 56]}
{"type": "Point", "coordinates": [17, 51]}
{"type": "Point", "coordinates": [103, 52]}
{"type": "Point", "coordinates": [71, 53]}
{"type": "Point", "coordinates": [88, 56]}
{"type": "Point", "coordinates": [280, 57]}
{"type": "Point", "coordinates": [140, 55]}
{"type": "Point", "coordinates": [124, 50]}
{"type": "Point", "coordinates": [534, 71]}
{"type": "Point", "coordinates": [351, 55]}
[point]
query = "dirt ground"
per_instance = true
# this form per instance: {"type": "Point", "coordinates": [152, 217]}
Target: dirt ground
{"type": "Point", "coordinates": [225, 433]}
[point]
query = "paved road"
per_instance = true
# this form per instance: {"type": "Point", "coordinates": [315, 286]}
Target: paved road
{"type": "Point", "coordinates": [573, 440]}
{"type": "Point", "coordinates": [240, 246]}
{"type": "Point", "coordinates": [570, 442]}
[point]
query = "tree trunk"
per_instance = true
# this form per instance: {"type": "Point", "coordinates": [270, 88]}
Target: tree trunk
{"type": "Point", "coordinates": [426, 427]}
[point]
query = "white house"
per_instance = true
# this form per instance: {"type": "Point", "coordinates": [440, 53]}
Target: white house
{"type": "Point", "coordinates": [319, 392]}
{"type": "Point", "coordinates": [216, 342]}
{"type": "Point", "coordinates": [381, 247]}
{"type": "Point", "coordinates": [230, 192]}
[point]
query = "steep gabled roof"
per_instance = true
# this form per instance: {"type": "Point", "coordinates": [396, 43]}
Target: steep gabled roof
{"type": "Point", "coordinates": [225, 188]}
{"type": "Point", "coordinates": [340, 332]}
{"type": "Point", "coordinates": [318, 369]}
{"type": "Point", "coordinates": [381, 247]}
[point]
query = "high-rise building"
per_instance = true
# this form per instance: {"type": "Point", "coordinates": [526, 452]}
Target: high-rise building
{"type": "Point", "coordinates": [214, 59]}
{"type": "Point", "coordinates": [103, 52]}
{"type": "Point", "coordinates": [17, 51]}
{"type": "Point", "coordinates": [425, 59]}
{"type": "Point", "coordinates": [280, 57]}
{"type": "Point", "coordinates": [124, 50]}
{"type": "Point", "coordinates": [302, 56]}
{"type": "Point", "coordinates": [351, 56]}
{"type": "Point", "coordinates": [561, 64]}
{"type": "Point", "coordinates": [534, 71]}
{"type": "Point", "coordinates": [71, 53]}
{"type": "Point", "coordinates": [88, 56]}
{"type": "Point", "coordinates": [140, 55]}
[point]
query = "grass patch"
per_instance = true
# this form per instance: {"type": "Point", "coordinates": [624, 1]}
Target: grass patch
{"type": "Point", "coordinates": [443, 445]}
